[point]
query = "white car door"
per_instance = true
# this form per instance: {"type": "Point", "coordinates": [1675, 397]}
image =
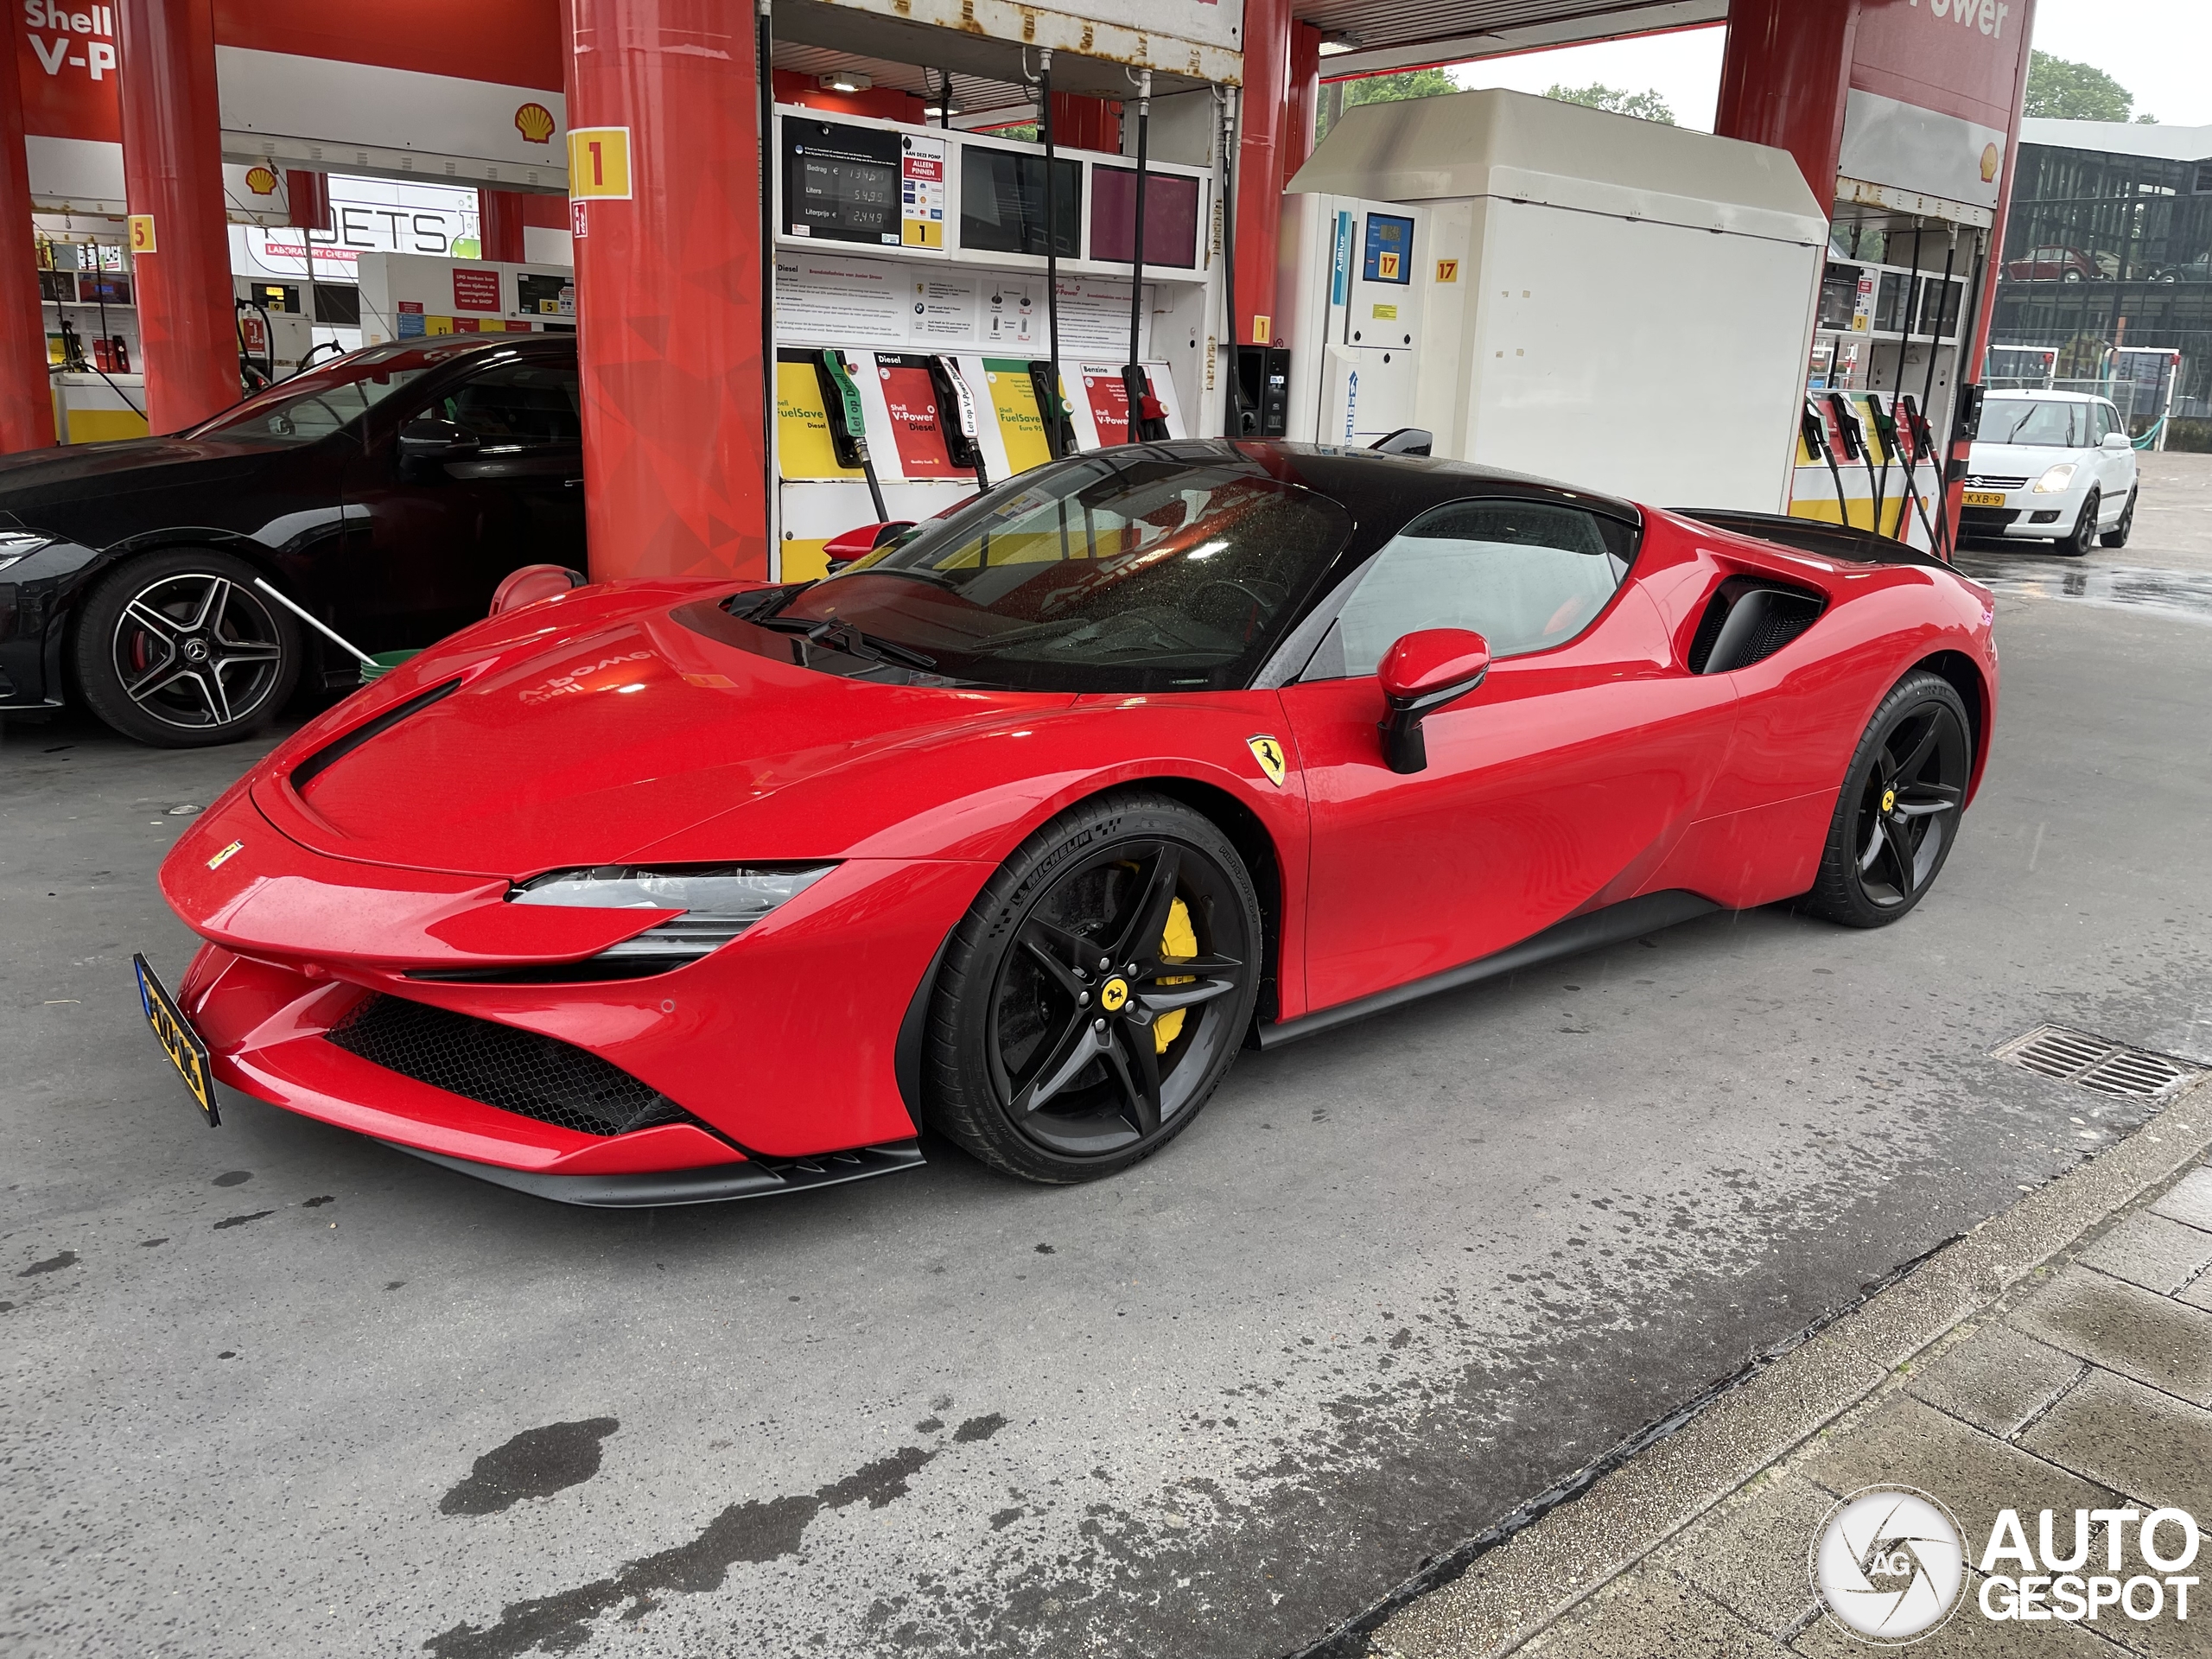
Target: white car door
{"type": "Point", "coordinates": [2116, 468]}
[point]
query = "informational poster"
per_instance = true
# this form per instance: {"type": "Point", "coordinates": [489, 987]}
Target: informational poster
{"type": "Point", "coordinates": [1013, 402]}
{"type": "Point", "coordinates": [910, 396]}
{"type": "Point", "coordinates": [1094, 317]}
{"type": "Point", "coordinates": [922, 196]}
{"type": "Point", "coordinates": [1014, 313]}
{"type": "Point", "coordinates": [841, 302]}
{"type": "Point", "coordinates": [476, 290]}
{"type": "Point", "coordinates": [946, 311]}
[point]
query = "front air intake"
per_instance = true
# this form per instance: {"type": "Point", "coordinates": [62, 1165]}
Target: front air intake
{"type": "Point", "coordinates": [519, 1071]}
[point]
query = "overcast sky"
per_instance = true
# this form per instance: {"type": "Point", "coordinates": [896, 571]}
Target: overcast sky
{"type": "Point", "coordinates": [2160, 50]}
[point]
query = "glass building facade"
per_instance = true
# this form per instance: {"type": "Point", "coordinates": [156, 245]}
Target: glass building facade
{"type": "Point", "coordinates": [2109, 251]}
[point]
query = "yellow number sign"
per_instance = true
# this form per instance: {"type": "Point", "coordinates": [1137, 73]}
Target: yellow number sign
{"type": "Point", "coordinates": [1386, 267]}
{"type": "Point", "coordinates": [141, 233]}
{"type": "Point", "coordinates": [1447, 271]}
{"type": "Point", "coordinates": [599, 164]}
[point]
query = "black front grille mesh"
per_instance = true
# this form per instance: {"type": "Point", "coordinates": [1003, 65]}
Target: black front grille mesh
{"type": "Point", "coordinates": [519, 1071]}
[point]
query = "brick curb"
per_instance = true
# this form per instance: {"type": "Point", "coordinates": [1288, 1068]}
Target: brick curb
{"type": "Point", "coordinates": [1514, 1591]}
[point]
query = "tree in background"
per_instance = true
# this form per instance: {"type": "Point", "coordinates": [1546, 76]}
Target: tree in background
{"type": "Point", "coordinates": [1385, 89]}
{"type": "Point", "coordinates": [2066, 90]}
{"type": "Point", "coordinates": [1644, 106]}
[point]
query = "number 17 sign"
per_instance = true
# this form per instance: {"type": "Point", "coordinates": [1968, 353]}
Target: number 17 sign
{"type": "Point", "coordinates": [599, 164]}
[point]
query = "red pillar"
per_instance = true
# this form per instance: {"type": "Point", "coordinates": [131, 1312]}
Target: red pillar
{"type": "Point", "coordinates": [26, 405]}
{"type": "Point", "coordinates": [307, 196]}
{"type": "Point", "coordinates": [1259, 164]}
{"type": "Point", "coordinates": [668, 287]}
{"type": "Point", "coordinates": [1783, 81]}
{"type": "Point", "coordinates": [172, 174]}
{"type": "Point", "coordinates": [1304, 98]}
{"type": "Point", "coordinates": [1081, 122]}
{"type": "Point", "coordinates": [499, 224]}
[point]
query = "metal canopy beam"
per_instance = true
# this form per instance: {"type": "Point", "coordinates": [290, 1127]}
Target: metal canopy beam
{"type": "Point", "coordinates": [1387, 36]}
{"type": "Point", "coordinates": [1087, 57]}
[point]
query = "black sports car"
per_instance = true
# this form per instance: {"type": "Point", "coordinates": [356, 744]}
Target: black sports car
{"type": "Point", "coordinates": [387, 492]}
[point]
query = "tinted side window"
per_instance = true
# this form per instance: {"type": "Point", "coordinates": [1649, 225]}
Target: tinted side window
{"type": "Point", "coordinates": [1525, 574]}
{"type": "Point", "coordinates": [517, 402]}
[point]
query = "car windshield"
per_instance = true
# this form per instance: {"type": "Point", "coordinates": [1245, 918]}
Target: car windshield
{"type": "Point", "coordinates": [1135, 570]}
{"type": "Point", "coordinates": [316, 404]}
{"type": "Point", "coordinates": [2046, 422]}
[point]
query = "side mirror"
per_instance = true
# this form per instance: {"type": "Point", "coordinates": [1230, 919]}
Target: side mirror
{"type": "Point", "coordinates": [2117, 440]}
{"type": "Point", "coordinates": [858, 544]}
{"type": "Point", "coordinates": [426, 445]}
{"type": "Point", "coordinates": [1421, 674]}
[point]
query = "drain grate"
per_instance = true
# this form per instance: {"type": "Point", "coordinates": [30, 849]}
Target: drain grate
{"type": "Point", "coordinates": [2093, 1062]}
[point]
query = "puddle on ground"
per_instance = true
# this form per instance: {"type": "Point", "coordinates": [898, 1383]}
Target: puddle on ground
{"type": "Point", "coordinates": [2183, 594]}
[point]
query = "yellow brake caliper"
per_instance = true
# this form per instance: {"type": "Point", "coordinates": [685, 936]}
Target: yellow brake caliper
{"type": "Point", "coordinates": [1178, 939]}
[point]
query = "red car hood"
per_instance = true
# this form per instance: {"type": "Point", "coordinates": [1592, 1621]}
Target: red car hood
{"type": "Point", "coordinates": [624, 728]}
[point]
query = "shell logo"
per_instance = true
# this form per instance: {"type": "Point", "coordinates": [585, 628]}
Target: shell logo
{"type": "Point", "coordinates": [535, 122]}
{"type": "Point", "coordinates": [1989, 163]}
{"type": "Point", "coordinates": [261, 181]}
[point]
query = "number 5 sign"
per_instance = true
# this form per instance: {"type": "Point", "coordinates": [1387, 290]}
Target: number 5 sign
{"type": "Point", "coordinates": [141, 233]}
{"type": "Point", "coordinates": [599, 164]}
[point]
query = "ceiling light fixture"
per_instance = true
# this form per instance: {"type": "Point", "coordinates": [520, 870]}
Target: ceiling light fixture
{"type": "Point", "coordinates": [845, 81]}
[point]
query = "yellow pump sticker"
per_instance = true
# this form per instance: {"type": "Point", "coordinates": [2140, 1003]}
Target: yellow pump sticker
{"type": "Point", "coordinates": [1386, 313]}
{"type": "Point", "coordinates": [1021, 425]}
{"type": "Point", "coordinates": [803, 446]}
{"type": "Point", "coordinates": [1269, 752]}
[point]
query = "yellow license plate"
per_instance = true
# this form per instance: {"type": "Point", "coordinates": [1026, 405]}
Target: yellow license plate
{"type": "Point", "coordinates": [178, 1040]}
{"type": "Point", "coordinates": [1983, 497]}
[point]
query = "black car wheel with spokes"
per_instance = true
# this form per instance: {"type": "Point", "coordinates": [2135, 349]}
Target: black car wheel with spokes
{"type": "Point", "coordinates": [1096, 991]}
{"type": "Point", "coordinates": [1901, 801]}
{"type": "Point", "coordinates": [181, 650]}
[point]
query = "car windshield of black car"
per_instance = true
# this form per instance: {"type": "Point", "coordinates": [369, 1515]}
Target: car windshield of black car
{"type": "Point", "coordinates": [1129, 570]}
{"type": "Point", "coordinates": [315, 404]}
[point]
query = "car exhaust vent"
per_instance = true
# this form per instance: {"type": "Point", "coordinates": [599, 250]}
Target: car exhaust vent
{"type": "Point", "coordinates": [1747, 620]}
{"type": "Point", "coordinates": [2093, 1062]}
{"type": "Point", "coordinates": [518, 1071]}
{"type": "Point", "coordinates": [331, 752]}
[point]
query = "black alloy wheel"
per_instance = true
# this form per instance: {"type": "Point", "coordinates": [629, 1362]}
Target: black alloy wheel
{"type": "Point", "coordinates": [2117, 536]}
{"type": "Point", "coordinates": [1900, 807]}
{"type": "Point", "coordinates": [2083, 536]}
{"type": "Point", "coordinates": [179, 649]}
{"type": "Point", "coordinates": [1096, 992]}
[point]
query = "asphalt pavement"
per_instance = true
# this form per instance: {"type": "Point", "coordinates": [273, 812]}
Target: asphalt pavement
{"type": "Point", "coordinates": [274, 1388]}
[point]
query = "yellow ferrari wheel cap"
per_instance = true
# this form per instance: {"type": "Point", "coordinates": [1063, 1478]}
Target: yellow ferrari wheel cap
{"type": "Point", "coordinates": [1269, 752]}
{"type": "Point", "coordinates": [1113, 994]}
{"type": "Point", "coordinates": [1889, 800]}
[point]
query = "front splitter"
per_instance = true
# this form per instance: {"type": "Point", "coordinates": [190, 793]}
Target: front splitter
{"type": "Point", "coordinates": [717, 1184]}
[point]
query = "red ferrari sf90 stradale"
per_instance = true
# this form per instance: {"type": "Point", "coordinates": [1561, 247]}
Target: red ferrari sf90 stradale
{"type": "Point", "coordinates": [1020, 826]}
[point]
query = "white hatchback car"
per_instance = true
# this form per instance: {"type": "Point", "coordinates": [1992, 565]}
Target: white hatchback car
{"type": "Point", "coordinates": [2055, 466]}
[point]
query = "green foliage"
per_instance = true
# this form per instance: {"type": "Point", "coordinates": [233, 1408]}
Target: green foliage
{"type": "Point", "coordinates": [2074, 91]}
{"type": "Point", "coordinates": [1385, 89]}
{"type": "Point", "coordinates": [1644, 106]}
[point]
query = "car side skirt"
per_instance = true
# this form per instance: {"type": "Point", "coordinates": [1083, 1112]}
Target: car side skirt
{"type": "Point", "coordinates": [1631, 917]}
{"type": "Point", "coordinates": [717, 1184]}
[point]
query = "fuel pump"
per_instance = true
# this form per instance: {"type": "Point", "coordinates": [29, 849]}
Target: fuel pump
{"type": "Point", "coordinates": [841, 402]}
{"type": "Point", "coordinates": [1897, 432]}
{"type": "Point", "coordinates": [1815, 433]}
{"type": "Point", "coordinates": [964, 433]}
{"type": "Point", "coordinates": [1885, 434]}
{"type": "Point", "coordinates": [1921, 438]}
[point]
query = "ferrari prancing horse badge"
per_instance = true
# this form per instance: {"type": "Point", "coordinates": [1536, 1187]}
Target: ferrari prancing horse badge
{"type": "Point", "coordinates": [1268, 754]}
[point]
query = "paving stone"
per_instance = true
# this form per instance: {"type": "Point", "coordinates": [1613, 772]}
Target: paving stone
{"type": "Point", "coordinates": [2152, 1251]}
{"type": "Point", "coordinates": [1996, 1379]}
{"type": "Point", "coordinates": [2200, 1293]}
{"type": "Point", "coordinates": [1901, 1442]}
{"type": "Point", "coordinates": [2124, 1328]}
{"type": "Point", "coordinates": [2190, 1200]}
{"type": "Point", "coordinates": [1750, 1554]}
{"type": "Point", "coordinates": [1969, 1635]}
{"type": "Point", "coordinates": [1645, 1613]}
{"type": "Point", "coordinates": [2133, 1439]}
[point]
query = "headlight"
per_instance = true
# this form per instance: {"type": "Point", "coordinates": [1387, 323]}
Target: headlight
{"type": "Point", "coordinates": [719, 901]}
{"type": "Point", "coordinates": [17, 545]}
{"type": "Point", "coordinates": [2056, 479]}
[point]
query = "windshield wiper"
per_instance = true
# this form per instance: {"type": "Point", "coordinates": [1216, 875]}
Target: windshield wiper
{"type": "Point", "coordinates": [843, 636]}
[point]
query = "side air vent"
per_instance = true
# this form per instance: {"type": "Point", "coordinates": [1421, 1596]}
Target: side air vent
{"type": "Point", "coordinates": [1748, 621]}
{"type": "Point", "coordinates": [331, 752]}
{"type": "Point", "coordinates": [518, 1071]}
